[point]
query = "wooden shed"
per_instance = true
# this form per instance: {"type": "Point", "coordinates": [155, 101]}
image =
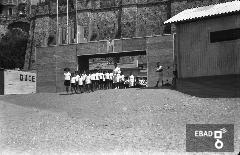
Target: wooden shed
{"type": "Point", "coordinates": [17, 82]}
{"type": "Point", "coordinates": [207, 41]}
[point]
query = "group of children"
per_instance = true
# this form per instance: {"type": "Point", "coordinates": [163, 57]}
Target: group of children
{"type": "Point", "coordinates": [81, 82]}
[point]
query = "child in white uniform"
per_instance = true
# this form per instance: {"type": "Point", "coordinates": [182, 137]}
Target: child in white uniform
{"type": "Point", "coordinates": [126, 82]}
{"type": "Point", "coordinates": [131, 81]}
{"type": "Point", "coordinates": [93, 80]}
{"type": "Point", "coordinates": [118, 78]}
{"type": "Point", "coordinates": [88, 82]}
{"type": "Point", "coordinates": [111, 80]}
{"type": "Point", "coordinates": [67, 78]}
{"type": "Point", "coordinates": [121, 81]}
{"type": "Point", "coordinates": [80, 84]}
{"type": "Point", "coordinates": [84, 75]}
{"type": "Point", "coordinates": [101, 80]}
{"type": "Point", "coordinates": [73, 83]}
{"type": "Point", "coordinates": [107, 78]}
{"type": "Point", "coordinates": [97, 80]}
{"type": "Point", "coordinates": [77, 77]}
{"type": "Point", "coordinates": [104, 80]}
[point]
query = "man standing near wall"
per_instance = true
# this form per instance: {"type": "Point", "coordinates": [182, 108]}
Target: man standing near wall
{"type": "Point", "coordinates": [160, 74]}
{"type": "Point", "coordinates": [116, 71]}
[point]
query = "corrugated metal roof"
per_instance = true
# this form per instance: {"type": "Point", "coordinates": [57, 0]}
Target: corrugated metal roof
{"type": "Point", "coordinates": [206, 11]}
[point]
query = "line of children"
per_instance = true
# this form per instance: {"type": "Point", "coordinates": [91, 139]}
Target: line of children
{"type": "Point", "coordinates": [98, 80]}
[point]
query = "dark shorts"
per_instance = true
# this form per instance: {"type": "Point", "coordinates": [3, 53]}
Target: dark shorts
{"type": "Point", "coordinates": [73, 85]}
{"type": "Point", "coordinates": [67, 83]}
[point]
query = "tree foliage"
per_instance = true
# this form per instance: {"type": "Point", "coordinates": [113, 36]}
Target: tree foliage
{"type": "Point", "coordinates": [12, 49]}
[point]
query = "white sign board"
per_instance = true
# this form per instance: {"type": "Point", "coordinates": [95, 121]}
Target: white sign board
{"type": "Point", "coordinates": [19, 82]}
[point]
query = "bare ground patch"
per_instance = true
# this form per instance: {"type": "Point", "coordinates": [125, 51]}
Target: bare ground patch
{"type": "Point", "coordinates": [109, 121]}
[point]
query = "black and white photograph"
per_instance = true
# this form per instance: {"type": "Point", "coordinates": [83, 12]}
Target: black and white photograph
{"type": "Point", "coordinates": [120, 77]}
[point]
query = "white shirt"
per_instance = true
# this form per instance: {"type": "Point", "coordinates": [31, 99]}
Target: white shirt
{"type": "Point", "coordinates": [97, 76]}
{"type": "Point", "coordinates": [100, 76]}
{"type": "Point", "coordinates": [111, 76]}
{"type": "Point", "coordinates": [122, 78]}
{"type": "Point", "coordinates": [131, 78]}
{"type": "Point", "coordinates": [93, 76]}
{"type": "Point", "coordinates": [115, 78]}
{"type": "Point", "coordinates": [73, 79]}
{"type": "Point", "coordinates": [118, 77]}
{"type": "Point", "coordinates": [103, 76]}
{"type": "Point", "coordinates": [77, 77]}
{"type": "Point", "coordinates": [67, 76]}
{"type": "Point", "coordinates": [84, 77]}
{"type": "Point", "coordinates": [159, 69]}
{"type": "Point", "coordinates": [88, 79]}
{"type": "Point", "coordinates": [117, 70]}
{"type": "Point", "coordinates": [80, 81]}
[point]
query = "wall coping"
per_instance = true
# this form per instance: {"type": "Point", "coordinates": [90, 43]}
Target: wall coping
{"type": "Point", "coordinates": [108, 41]}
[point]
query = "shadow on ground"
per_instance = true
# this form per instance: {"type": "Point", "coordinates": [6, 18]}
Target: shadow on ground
{"type": "Point", "coordinates": [227, 86]}
{"type": "Point", "coordinates": [160, 87]}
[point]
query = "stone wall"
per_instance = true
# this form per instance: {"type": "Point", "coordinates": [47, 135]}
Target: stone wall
{"type": "Point", "coordinates": [41, 31]}
{"type": "Point", "coordinates": [136, 20]}
{"type": "Point", "coordinates": [102, 23]}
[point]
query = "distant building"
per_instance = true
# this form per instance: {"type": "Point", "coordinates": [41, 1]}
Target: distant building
{"type": "Point", "coordinates": [10, 9]}
{"type": "Point", "coordinates": [207, 40]}
{"type": "Point", "coordinates": [13, 14]}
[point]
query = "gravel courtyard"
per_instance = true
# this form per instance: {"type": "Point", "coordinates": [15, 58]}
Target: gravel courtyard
{"type": "Point", "coordinates": [108, 121]}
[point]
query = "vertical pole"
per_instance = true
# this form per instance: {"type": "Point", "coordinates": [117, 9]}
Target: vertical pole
{"type": "Point", "coordinates": [76, 23]}
{"type": "Point", "coordinates": [136, 23]}
{"type": "Point", "coordinates": [76, 34]}
{"type": "Point", "coordinates": [67, 25]}
{"type": "Point", "coordinates": [57, 40]}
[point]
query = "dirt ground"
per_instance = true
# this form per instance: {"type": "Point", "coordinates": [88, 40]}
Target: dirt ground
{"type": "Point", "coordinates": [132, 121]}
